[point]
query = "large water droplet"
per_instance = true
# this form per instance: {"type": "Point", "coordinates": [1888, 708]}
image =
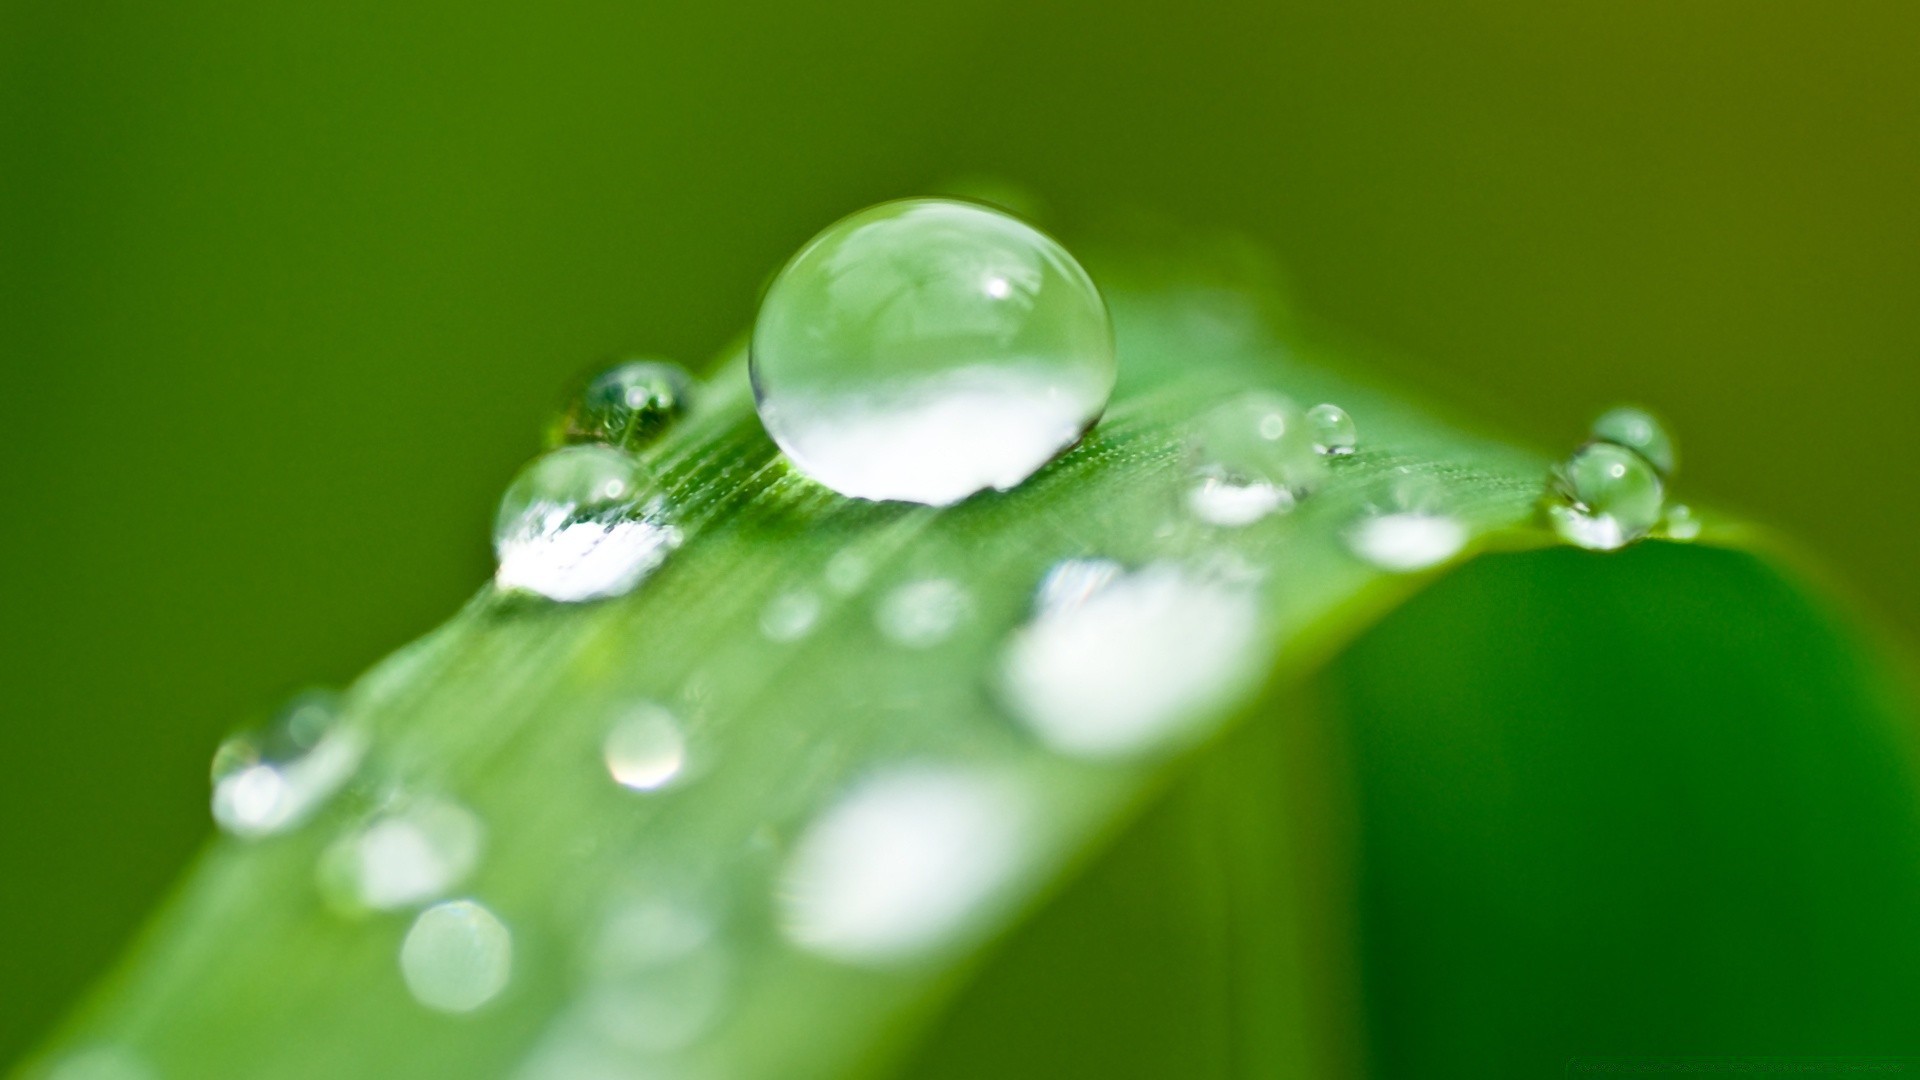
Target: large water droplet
{"type": "Point", "coordinates": [921, 614]}
{"type": "Point", "coordinates": [926, 349]}
{"type": "Point", "coordinates": [456, 957]}
{"type": "Point", "coordinates": [628, 405]}
{"type": "Point", "coordinates": [571, 526]}
{"type": "Point", "coordinates": [1334, 433]}
{"type": "Point", "coordinates": [1255, 455]}
{"type": "Point", "coordinates": [906, 863]}
{"type": "Point", "coordinates": [1608, 496]}
{"type": "Point", "coordinates": [645, 749]}
{"type": "Point", "coordinates": [1640, 431]}
{"type": "Point", "coordinates": [409, 855]}
{"type": "Point", "coordinates": [1131, 664]}
{"type": "Point", "coordinates": [1406, 526]}
{"type": "Point", "coordinates": [274, 778]}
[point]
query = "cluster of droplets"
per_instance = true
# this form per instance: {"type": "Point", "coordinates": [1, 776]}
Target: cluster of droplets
{"type": "Point", "coordinates": [1259, 453]}
{"type": "Point", "coordinates": [1613, 490]}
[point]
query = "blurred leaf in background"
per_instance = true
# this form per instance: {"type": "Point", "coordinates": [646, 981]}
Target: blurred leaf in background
{"type": "Point", "coordinates": [285, 293]}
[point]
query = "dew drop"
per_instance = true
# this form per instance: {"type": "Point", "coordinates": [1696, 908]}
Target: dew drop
{"type": "Point", "coordinates": [658, 978]}
{"type": "Point", "coordinates": [645, 750]}
{"type": "Point", "coordinates": [790, 616]}
{"type": "Point", "coordinates": [1334, 434]}
{"type": "Point", "coordinates": [921, 614]}
{"type": "Point", "coordinates": [907, 862]}
{"type": "Point", "coordinates": [1255, 456]}
{"type": "Point", "coordinates": [571, 526]}
{"type": "Point", "coordinates": [1607, 496]}
{"type": "Point", "coordinates": [1129, 664]}
{"type": "Point", "coordinates": [456, 957]}
{"type": "Point", "coordinates": [411, 855]}
{"type": "Point", "coordinates": [272, 779]}
{"type": "Point", "coordinates": [925, 349]}
{"type": "Point", "coordinates": [1405, 527]}
{"type": "Point", "coordinates": [100, 1063]}
{"type": "Point", "coordinates": [627, 405]}
{"type": "Point", "coordinates": [847, 571]}
{"type": "Point", "coordinates": [1640, 431]}
{"type": "Point", "coordinates": [1680, 523]}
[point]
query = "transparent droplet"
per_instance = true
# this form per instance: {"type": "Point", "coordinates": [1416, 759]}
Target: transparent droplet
{"type": "Point", "coordinates": [658, 978]}
{"type": "Point", "coordinates": [1129, 665]}
{"type": "Point", "coordinates": [571, 526]}
{"type": "Point", "coordinates": [1680, 523]}
{"type": "Point", "coordinates": [273, 778]}
{"type": "Point", "coordinates": [1607, 496]}
{"type": "Point", "coordinates": [1640, 431]}
{"type": "Point", "coordinates": [790, 616]}
{"type": "Point", "coordinates": [926, 349]}
{"type": "Point", "coordinates": [1334, 433]}
{"type": "Point", "coordinates": [416, 853]}
{"type": "Point", "coordinates": [456, 957]}
{"type": "Point", "coordinates": [1406, 526]}
{"type": "Point", "coordinates": [1255, 455]}
{"type": "Point", "coordinates": [847, 571]}
{"type": "Point", "coordinates": [627, 405]}
{"type": "Point", "coordinates": [100, 1063]}
{"type": "Point", "coordinates": [921, 614]}
{"type": "Point", "coordinates": [906, 863]}
{"type": "Point", "coordinates": [645, 749]}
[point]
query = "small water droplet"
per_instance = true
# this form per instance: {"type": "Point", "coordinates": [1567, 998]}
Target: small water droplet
{"type": "Point", "coordinates": [847, 571]}
{"type": "Point", "coordinates": [417, 852]}
{"type": "Point", "coordinates": [645, 750]}
{"type": "Point", "coordinates": [627, 405]}
{"type": "Point", "coordinates": [925, 349]}
{"type": "Point", "coordinates": [272, 779]}
{"type": "Point", "coordinates": [907, 862]}
{"type": "Point", "coordinates": [1255, 456]}
{"type": "Point", "coordinates": [571, 526]}
{"type": "Point", "coordinates": [1131, 664]}
{"type": "Point", "coordinates": [100, 1063]}
{"type": "Point", "coordinates": [1680, 523]}
{"type": "Point", "coordinates": [921, 614]}
{"type": "Point", "coordinates": [1606, 496]}
{"type": "Point", "coordinates": [659, 978]}
{"type": "Point", "coordinates": [790, 616]}
{"type": "Point", "coordinates": [1334, 433]}
{"type": "Point", "coordinates": [456, 957]}
{"type": "Point", "coordinates": [1640, 431]}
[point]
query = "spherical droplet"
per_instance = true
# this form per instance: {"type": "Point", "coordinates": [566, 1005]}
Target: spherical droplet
{"type": "Point", "coordinates": [271, 779]}
{"type": "Point", "coordinates": [926, 349]}
{"type": "Point", "coordinates": [1610, 496]}
{"type": "Point", "coordinates": [1332, 429]}
{"type": "Point", "coordinates": [572, 527]}
{"type": "Point", "coordinates": [645, 750]}
{"type": "Point", "coordinates": [1640, 431]}
{"type": "Point", "coordinates": [1255, 455]}
{"type": "Point", "coordinates": [456, 957]}
{"type": "Point", "coordinates": [414, 853]}
{"type": "Point", "coordinates": [627, 405]}
{"type": "Point", "coordinates": [1406, 525]}
{"type": "Point", "coordinates": [1680, 523]}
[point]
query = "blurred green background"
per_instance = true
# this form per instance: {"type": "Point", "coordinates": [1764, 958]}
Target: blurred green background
{"type": "Point", "coordinates": [286, 291]}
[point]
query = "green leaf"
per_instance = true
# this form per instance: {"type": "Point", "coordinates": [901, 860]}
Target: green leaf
{"type": "Point", "coordinates": [1562, 803]}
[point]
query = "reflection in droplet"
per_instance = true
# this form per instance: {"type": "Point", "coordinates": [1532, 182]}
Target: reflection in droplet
{"type": "Point", "coordinates": [571, 526]}
{"type": "Point", "coordinates": [1131, 665]}
{"type": "Point", "coordinates": [1255, 455]}
{"type": "Point", "coordinates": [457, 956]}
{"type": "Point", "coordinates": [904, 864]}
{"type": "Point", "coordinates": [274, 778]}
{"type": "Point", "coordinates": [1406, 541]}
{"type": "Point", "coordinates": [926, 349]}
{"type": "Point", "coordinates": [628, 405]}
{"type": "Point", "coordinates": [645, 749]}
{"type": "Point", "coordinates": [1606, 496]}
{"type": "Point", "coordinates": [921, 614]}
{"type": "Point", "coordinates": [1334, 433]}
{"type": "Point", "coordinates": [100, 1063]}
{"type": "Point", "coordinates": [1642, 432]}
{"type": "Point", "coordinates": [790, 616]}
{"type": "Point", "coordinates": [417, 852]}
{"type": "Point", "coordinates": [1070, 581]}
